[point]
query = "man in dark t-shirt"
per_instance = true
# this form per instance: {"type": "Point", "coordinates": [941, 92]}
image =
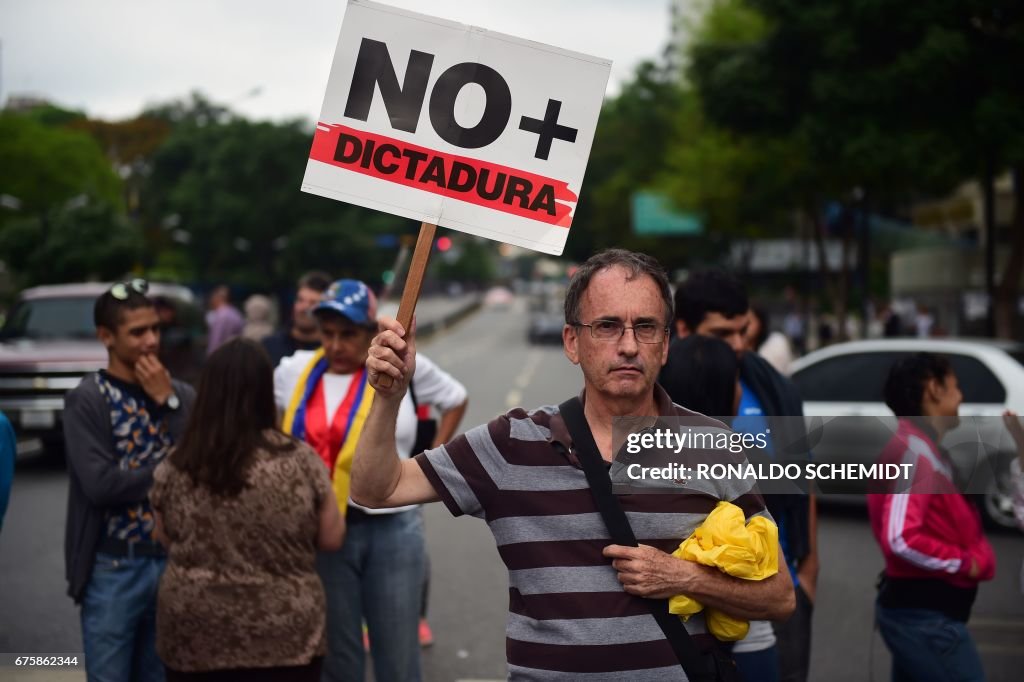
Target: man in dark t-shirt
{"type": "Point", "coordinates": [302, 332]}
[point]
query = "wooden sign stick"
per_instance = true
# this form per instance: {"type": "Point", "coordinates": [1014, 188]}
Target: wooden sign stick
{"type": "Point", "coordinates": [413, 283]}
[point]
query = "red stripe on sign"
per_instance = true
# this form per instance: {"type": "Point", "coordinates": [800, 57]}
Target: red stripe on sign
{"type": "Point", "coordinates": [459, 177]}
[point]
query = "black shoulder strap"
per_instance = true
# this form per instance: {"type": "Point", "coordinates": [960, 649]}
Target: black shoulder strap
{"type": "Point", "coordinates": [412, 394]}
{"type": "Point", "coordinates": [693, 661]}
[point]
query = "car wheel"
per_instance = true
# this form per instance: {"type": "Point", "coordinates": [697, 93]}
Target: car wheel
{"type": "Point", "coordinates": [998, 500]}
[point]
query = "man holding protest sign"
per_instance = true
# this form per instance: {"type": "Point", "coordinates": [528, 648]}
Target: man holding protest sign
{"type": "Point", "coordinates": [489, 134]}
{"type": "Point", "coordinates": [579, 604]}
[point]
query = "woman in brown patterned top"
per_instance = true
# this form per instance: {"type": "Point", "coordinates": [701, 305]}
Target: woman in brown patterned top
{"type": "Point", "coordinates": [242, 509]}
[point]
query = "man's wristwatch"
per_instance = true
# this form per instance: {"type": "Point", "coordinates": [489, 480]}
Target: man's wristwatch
{"type": "Point", "coordinates": [172, 402]}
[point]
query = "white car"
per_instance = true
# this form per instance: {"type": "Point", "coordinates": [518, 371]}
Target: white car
{"type": "Point", "coordinates": [847, 380]}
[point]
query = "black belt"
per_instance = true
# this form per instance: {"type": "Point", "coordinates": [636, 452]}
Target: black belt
{"type": "Point", "coordinates": [123, 548]}
{"type": "Point", "coordinates": [933, 594]}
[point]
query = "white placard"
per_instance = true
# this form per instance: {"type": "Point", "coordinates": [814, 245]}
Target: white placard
{"type": "Point", "coordinates": [457, 126]}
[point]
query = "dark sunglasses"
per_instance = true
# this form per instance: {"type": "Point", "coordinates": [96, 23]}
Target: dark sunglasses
{"type": "Point", "coordinates": [121, 290]}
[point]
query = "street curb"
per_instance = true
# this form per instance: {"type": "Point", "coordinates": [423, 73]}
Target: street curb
{"type": "Point", "coordinates": [428, 329]}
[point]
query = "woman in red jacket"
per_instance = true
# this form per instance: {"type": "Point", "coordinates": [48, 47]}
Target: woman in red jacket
{"type": "Point", "coordinates": [930, 534]}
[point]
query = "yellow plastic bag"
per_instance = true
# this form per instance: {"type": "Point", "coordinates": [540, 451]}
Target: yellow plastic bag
{"type": "Point", "coordinates": [742, 550]}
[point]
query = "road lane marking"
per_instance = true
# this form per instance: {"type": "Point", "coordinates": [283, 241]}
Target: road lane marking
{"type": "Point", "coordinates": [479, 346]}
{"type": "Point", "coordinates": [529, 368]}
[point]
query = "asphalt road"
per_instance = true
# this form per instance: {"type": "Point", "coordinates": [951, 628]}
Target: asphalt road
{"type": "Point", "coordinates": [488, 352]}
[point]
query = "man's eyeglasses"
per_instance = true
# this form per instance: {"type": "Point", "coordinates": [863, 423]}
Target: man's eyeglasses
{"type": "Point", "coordinates": [612, 330]}
{"type": "Point", "coordinates": [122, 290]}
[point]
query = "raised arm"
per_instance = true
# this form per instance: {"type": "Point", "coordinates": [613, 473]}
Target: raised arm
{"type": "Point", "coordinates": [379, 477]}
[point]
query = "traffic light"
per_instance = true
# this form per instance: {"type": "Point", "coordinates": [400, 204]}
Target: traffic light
{"type": "Point", "coordinates": [444, 243]}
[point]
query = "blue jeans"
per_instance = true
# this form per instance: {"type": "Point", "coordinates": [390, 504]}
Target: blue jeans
{"type": "Point", "coordinates": [794, 640]}
{"type": "Point", "coordinates": [376, 577]}
{"type": "Point", "coordinates": [928, 646]}
{"type": "Point", "coordinates": [119, 620]}
{"type": "Point", "coordinates": [758, 666]}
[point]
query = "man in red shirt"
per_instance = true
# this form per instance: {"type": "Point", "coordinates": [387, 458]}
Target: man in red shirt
{"type": "Point", "coordinates": [930, 534]}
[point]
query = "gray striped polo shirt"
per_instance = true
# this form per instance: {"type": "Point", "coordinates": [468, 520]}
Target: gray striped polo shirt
{"type": "Point", "coordinates": [568, 614]}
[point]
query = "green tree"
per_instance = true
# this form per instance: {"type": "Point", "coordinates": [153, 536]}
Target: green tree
{"type": "Point", "coordinates": [897, 99]}
{"type": "Point", "coordinates": [748, 180]}
{"type": "Point", "coordinates": [230, 190]}
{"type": "Point", "coordinates": [93, 241]}
{"type": "Point", "coordinates": [634, 135]}
{"type": "Point", "coordinates": [654, 135]}
{"type": "Point", "coordinates": [45, 167]}
{"type": "Point", "coordinates": [62, 219]}
{"type": "Point", "coordinates": [54, 116]}
{"type": "Point", "coordinates": [741, 183]}
{"type": "Point", "coordinates": [343, 243]}
{"type": "Point", "coordinates": [474, 263]}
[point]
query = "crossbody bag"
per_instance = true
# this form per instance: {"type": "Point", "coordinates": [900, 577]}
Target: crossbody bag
{"type": "Point", "coordinates": [426, 426]}
{"type": "Point", "coordinates": [712, 665]}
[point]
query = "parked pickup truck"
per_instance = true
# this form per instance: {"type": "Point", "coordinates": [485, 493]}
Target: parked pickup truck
{"type": "Point", "coordinates": [49, 343]}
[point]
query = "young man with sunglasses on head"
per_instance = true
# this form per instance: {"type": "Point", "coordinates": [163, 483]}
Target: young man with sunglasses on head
{"type": "Point", "coordinates": [119, 423]}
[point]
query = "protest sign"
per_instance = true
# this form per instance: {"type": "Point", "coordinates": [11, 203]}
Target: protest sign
{"type": "Point", "coordinates": [456, 126]}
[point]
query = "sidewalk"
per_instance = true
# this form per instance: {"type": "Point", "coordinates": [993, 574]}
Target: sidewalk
{"type": "Point", "coordinates": [42, 675]}
{"type": "Point", "coordinates": [435, 313]}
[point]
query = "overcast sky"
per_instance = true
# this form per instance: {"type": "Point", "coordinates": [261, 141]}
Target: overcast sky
{"type": "Point", "coordinates": [264, 58]}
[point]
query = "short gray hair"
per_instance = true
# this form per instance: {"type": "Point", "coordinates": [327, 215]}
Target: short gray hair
{"type": "Point", "coordinates": [636, 264]}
